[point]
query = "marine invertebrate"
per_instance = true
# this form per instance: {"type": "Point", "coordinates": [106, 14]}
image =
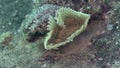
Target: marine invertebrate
{"type": "Point", "coordinates": [64, 27]}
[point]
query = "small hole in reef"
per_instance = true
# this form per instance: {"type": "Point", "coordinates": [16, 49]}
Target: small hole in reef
{"type": "Point", "coordinates": [86, 0]}
{"type": "Point", "coordinates": [34, 36]}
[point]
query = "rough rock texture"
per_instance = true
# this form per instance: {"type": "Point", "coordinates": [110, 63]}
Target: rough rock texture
{"type": "Point", "coordinates": [35, 24]}
{"type": "Point", "coordinates": [108, 46]}
{"type": "Point", "coordinates": [97, 47]}
{"type": "Point", "coordinates": [12, 13]}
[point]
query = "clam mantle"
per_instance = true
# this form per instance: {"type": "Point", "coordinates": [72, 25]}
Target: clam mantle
{"type": "Point", "coordinates": [64, 27]}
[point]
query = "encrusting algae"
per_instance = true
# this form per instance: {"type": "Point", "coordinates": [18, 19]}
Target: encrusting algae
{"type": "Point", "coordinates": [34, 27]}
{"type": "Point", "coordinates": [64, 27]}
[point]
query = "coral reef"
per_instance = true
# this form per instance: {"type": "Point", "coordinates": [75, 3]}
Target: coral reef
{"type": "Point", "coordinates": [64, 27]}
{"type": "Point", "coordinates": [98, 46]}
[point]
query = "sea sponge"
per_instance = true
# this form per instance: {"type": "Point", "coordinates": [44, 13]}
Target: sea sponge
{"type": "Point", "coordinates": [64, 27]}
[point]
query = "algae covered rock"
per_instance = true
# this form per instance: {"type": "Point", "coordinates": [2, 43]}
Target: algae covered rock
{"type": "Point", "coordinates": [5, 38]}
{"type": "Point", "coordinates": [64, 27]}
{"type": "Point", "coordinates": [35, 24]}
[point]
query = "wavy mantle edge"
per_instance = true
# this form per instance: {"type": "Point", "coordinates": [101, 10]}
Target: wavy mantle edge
{"type": "Point", "coordinates": [58, 20]}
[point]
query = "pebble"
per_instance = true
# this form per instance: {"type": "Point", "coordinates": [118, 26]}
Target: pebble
{"type": "Point", "coordinates": [110, 27]}
{"type": "Point", "coordinates": [100, 58]}
{"type": "Point", "coordinates": [116, 43]}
